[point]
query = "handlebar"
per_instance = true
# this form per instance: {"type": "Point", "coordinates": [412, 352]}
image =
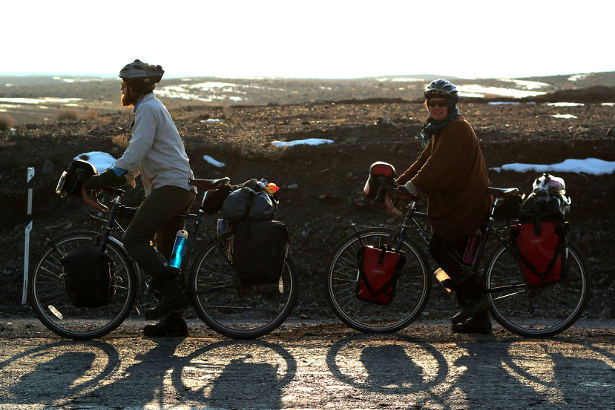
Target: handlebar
{"type": "Point", "coordinates": [389, 185]}
{"type": "Point", "coordinates": [93, 200]}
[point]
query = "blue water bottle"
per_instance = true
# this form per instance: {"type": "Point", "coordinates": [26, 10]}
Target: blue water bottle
{"type": "Point", "coordinates": [179, 249]}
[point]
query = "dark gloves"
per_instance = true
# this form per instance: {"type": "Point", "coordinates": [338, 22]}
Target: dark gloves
{"type": "Point", "coordinates": [107, 179]}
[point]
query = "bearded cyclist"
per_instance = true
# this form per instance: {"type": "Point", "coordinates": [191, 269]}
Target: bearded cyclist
{"type": "Point", "coordinates": [451, 172]}
{"type": "Point", "coordinates": [156, 152]}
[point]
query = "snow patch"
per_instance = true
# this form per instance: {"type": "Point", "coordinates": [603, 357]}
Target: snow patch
{"type": "Point", "coordinates": [593, 166]}
{"type": "Point", "coordinates": [213, 162]}
{"type": "Point", "coordinates": [308, 141]}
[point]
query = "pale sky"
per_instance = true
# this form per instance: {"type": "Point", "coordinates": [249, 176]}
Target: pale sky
{"type": "Point", "coordinates": [309, 38]}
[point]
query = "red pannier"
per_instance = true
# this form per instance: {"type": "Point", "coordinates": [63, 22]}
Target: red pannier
{"type": "Point", "coordinates": [539, 252]}
{"type": "Point", "coordinates": [378, 273]}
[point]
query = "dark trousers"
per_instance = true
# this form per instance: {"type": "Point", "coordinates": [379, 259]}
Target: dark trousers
{"type": "Point", "coordinates": [447, 254]}
{"type": "Point", "coordinates": [157, 220]}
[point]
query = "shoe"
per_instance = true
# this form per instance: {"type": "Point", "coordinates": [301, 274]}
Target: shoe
{"type": "Point", "coordinates": [480, 323]}
{"type": "Point", "coordinates": [172, 300]}
{"type": "Point", "coordinates": [470, 310]}
{"type": "Point", "coordinates": [172, 325]}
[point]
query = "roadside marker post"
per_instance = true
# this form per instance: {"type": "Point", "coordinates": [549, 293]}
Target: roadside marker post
{"type": "Point", "coordinates": [26, 254]}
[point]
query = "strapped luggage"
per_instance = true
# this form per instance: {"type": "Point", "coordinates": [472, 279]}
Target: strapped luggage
{"type": "Point", "coordinates": [246, 203]}
{"type": "Point", "coordinates": [259, 243]}
{"type": "Point", "coordinates": [540, 238]}
{"type": "Point", "coordinates": [88, 275]}
{"type": "Point", "coordinates": [379, 271]}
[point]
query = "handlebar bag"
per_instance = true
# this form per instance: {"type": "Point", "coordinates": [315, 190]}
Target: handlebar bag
{"type": "Point", "coordinates": [259, 249]}
{"type": "Point", "coordinates": [378, 173]}
{"type": "Point", "coordinates": [539, 253]}
{"type": "Point", "coordinates": [88, 276]}
{"type": "Point", "coordinates": [379, 270]}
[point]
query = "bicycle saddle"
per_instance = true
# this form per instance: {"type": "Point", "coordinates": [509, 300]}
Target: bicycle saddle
{"type": "Point", "coordinates": [207, 184]}
{"type": "Point", "coordinates": [503, 192]}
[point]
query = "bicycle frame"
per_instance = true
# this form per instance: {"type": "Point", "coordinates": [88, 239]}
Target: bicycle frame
{"type": "Point", "coordinates": [410, 221]}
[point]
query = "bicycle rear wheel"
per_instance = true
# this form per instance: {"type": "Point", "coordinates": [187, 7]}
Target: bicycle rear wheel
{"type": "Point", "coordinates": [50, 301]}
{"type": "Point", "coordinates": [411, 294]}
{"type": "Point", "coordinates": [234, 308]}
{"type": "Point", "coordinates": [536, 311]}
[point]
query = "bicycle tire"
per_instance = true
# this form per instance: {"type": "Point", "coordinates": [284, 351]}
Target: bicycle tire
{"type": "Point", "coordinates": [411, 296]}
{"type": "Point", "coordinates": [234, 308]}
{"type": "Point", "coordinates": [536, 311]}
{"type": "Point", "coordinates": [49, 298]}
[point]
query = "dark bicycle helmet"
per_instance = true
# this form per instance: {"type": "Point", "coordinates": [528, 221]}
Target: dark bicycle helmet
{"type": "Point", "coordinates": [441, 88]}
{"type": "Point", "coordinates": [138, 70]}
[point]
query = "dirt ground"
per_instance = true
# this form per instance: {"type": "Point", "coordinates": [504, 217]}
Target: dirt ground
{"type": "Point", "coordinates": [308, 364]}
{"type": "Point", "coordinates": [321, 186]}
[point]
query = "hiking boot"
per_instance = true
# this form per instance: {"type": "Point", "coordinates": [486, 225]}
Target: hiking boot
{"type": "Point", "coordinates": [172, 325]}
{"type": "Point", "coordinates": [480, 323]}
{"type": "Point", "coordinates": [470, 310]}
{"type": "Point", "coordinates": [172, 300]}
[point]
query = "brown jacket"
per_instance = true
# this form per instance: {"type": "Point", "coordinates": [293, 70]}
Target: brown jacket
{"type": "Point", "coordinates": [451, 171]}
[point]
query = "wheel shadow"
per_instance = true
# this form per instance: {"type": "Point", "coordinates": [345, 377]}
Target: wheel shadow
{"type": "Point", "coordinates": [577, 374]}
{"type": "Point", "coordinates": [393, 364]}
{"type": "Point", "coordinates": [63, 373]}
{"type": "Point", "coordinates": [253, 376]}
{"type": "Point", "coordinates": [483, 371]}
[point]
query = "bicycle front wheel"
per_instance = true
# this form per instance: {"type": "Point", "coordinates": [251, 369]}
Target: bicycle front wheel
{"type": "Point", "coordinates": [411, 294]}
{"type": "Point", "coordinates": [49, 297]}
{"type": "Point", "coordinates": [234, 308]}
{"type": "Point", "coordinates": [536, 311]}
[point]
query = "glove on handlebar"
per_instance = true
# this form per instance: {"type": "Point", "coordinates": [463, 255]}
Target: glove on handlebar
{"type": "Point", "coordinates": [105, 180]}
{"type": "Point", "coordinates": [413, 190]}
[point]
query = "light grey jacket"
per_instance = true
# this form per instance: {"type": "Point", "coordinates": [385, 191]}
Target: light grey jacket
{"type": "Point", "coordinates": [156, 150]}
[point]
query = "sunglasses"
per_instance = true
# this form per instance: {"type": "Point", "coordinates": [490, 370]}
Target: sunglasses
{"type": "Point", "coordinates": [440, 103]}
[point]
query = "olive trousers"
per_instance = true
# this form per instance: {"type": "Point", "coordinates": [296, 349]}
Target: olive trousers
{"type": "Point", "coordinates": [156, 220]}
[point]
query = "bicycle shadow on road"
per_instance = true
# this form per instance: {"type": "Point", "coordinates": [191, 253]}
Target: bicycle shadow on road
{"type": "Point", "coordinates": [144, 380]}
{"type": "Point", "coordinates": [236, 374]}
{"type": "Point", "coordinates": [393, 364]}
{"type": "Point", "coordinates": [572, 373]}
{"type": "Point", "coordinates": [63, 373]}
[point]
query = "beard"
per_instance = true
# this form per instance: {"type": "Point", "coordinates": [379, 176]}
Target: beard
{"type": "Point", "coordinates": [129, 98]}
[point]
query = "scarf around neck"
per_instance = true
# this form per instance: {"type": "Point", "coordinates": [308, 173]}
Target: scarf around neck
{"type": "Point", "coordinates": [435, 127]}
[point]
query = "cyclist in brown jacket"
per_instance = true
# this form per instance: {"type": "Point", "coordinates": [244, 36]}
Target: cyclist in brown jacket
{"type": "Point", "coordinates": [451, 172]}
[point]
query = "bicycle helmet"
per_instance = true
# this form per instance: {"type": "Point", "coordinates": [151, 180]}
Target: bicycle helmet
{"type": "Point", "coordinates": [441, 88]}
{"type": "Point", "coordinates": [140, 71]}
{"type": "Point", "coordinates": [75, 175]}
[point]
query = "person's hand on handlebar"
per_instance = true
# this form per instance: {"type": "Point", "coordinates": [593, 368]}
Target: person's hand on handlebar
{"type": "Point", "coordinates": [407, 190]}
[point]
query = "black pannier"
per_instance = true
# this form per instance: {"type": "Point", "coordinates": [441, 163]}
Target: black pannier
{"type": "Point", "coordinates": [379, 173]}
{"type": "Point", "coordinates": [259, 250]}
{"type": "Point", "coordinates": [259, 243]}
{"type": "Point", "coordinates": [88, 275]}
